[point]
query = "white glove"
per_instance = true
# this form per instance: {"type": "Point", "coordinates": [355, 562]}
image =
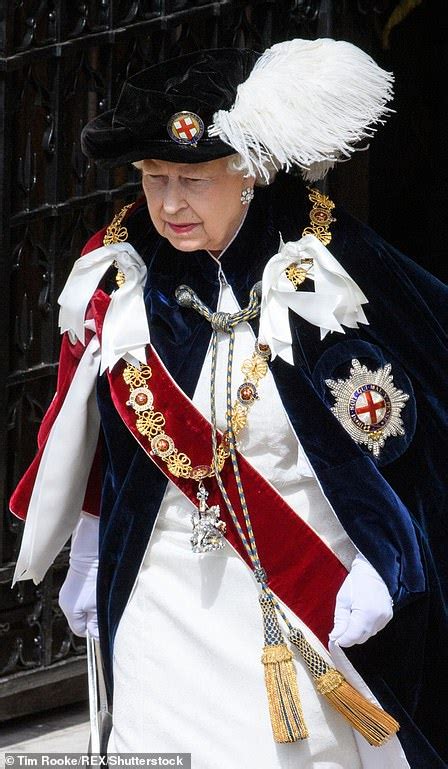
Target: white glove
{"type": "Point", "coordinates": [363, 605]}
{"type": "Point", "coordinates": [77, 597]}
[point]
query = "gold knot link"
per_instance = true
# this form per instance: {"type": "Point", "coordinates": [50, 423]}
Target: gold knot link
{"type": "Point", "coordinates": [320, 217]}
{"type": "Point", "coordinates": [239, 417]}
{"type": "Point", "coordinates": [115, 233]}
{"type": "Point", "coordinates": [255, 368]}
{"type": "Point", "coordinates": [179, 465]}
{"type": "Point", "coordinates": [136, 377]}
{"type": "Point", "coordinates": [150, 423]}
{"type": "Point", "coordinates": [221, 455]}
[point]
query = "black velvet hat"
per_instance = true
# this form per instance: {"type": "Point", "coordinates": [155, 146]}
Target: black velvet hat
{"type": "Point", "coordinates": [164, 111]}
{"type": "Point", "coordinates": [302, 102]}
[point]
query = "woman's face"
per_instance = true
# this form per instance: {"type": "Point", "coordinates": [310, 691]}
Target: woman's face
{"type": "Point", "coordinates": [194, 205]}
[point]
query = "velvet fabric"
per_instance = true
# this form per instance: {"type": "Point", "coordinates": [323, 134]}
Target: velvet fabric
{"type": "Point", "coordinates": [69, 357]}
{"type": "Point", "coordinates": [393, 509]}
{"type": "Point", "coordinates": [201, 82]}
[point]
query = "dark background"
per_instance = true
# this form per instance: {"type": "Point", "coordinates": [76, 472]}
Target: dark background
{"type": "Point", "coordinates": [61, 63]}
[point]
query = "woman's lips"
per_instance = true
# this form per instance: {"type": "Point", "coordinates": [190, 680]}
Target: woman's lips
{"type": "Point", "coordinates": [179, 229]}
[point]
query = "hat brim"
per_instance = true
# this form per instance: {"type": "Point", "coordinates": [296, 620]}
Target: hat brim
{"type": "Point", "coordinates": [113, 145]}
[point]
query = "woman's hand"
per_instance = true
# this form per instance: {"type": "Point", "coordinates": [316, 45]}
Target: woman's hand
{"type": "Point", "coordinates": [77, 597]}
{"type": "Point", "coordinates": [363, 605]}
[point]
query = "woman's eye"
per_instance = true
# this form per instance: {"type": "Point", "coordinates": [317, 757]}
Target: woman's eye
{"type": "Point", "coordinates": [152, 179]}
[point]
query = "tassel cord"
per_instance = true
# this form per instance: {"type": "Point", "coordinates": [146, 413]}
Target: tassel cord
{"type": "Point", "coordinates": [285, 710]}
{"type": "Point", "coordinates": [249, 540]}
{"type": "Point", "coordinates": [226, 323]}
{"type": "Point", "coordinates": [376, 725]}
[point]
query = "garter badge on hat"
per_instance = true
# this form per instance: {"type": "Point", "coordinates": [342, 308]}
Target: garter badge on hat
{"type": "Point", "coordinates": [185, 128]}
{"type": "Point", "coordinates": [368, 405]}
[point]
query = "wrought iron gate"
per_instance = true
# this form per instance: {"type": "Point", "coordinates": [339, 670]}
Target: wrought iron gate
{"type": "Point", "coordinates": [62, 62]}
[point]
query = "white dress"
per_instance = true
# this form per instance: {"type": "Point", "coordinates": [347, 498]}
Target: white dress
{"type": "Point", "coordinates": [187, 664]}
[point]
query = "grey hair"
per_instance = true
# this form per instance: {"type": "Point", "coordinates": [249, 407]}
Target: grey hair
{"type": "Point", "coordinates": [235, 165]}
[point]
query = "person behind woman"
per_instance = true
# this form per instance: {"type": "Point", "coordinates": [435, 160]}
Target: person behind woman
{"type": "Point", "coordinates": [255, 398]}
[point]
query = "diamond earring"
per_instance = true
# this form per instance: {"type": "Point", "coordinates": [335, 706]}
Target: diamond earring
{"type": "Point", "coordinates": [247, 195]}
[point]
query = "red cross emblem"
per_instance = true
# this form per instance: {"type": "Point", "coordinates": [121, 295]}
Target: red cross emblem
{"type": "Point", "coordinates": [370, 407]}
{"type": "Point", "coordinates": [185, 128]}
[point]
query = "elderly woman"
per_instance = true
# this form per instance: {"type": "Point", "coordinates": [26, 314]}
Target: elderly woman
{"type": "Point", "coordinates": [250, 398]}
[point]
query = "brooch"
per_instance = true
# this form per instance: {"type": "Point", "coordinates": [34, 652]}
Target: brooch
{"type": "Point", "coordinates": [185, 128]}
{"type": "Point", "coordinates": [368, 405]}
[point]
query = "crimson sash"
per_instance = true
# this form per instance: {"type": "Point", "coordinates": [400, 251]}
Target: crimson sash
{"type": "Point", "coordinates": [302, 571]}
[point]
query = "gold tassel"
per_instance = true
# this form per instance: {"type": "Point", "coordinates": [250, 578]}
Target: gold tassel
{"type": "Point", "coordinates": [285, 710]}
{"type": "Point", "coordinates": [368, 719]}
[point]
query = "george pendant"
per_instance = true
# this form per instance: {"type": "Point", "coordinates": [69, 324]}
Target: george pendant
{"type": "Point", "coordinates": [208, 529]}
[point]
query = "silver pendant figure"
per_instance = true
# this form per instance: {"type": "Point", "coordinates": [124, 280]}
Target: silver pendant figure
{"type": "Point", "coordinates": [208, 529]}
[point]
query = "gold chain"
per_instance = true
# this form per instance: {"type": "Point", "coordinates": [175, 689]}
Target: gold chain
{"type": "Point", "coordinates": [115, 233]}
{"type": "Point", "coordinates": [151, 423]}
{"type": "Point", "coordinates": [320, 218]}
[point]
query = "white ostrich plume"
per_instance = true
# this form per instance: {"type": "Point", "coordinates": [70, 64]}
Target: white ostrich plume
{"type": "Point", "coordinates": [306, 102]}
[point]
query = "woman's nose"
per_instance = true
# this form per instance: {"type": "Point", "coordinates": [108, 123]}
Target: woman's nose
{"type": "Point", "coordinates": [173, 198]}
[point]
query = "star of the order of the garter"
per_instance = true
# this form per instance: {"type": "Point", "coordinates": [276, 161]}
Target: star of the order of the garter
{"type": "Point", "coordinates": [368, 405]}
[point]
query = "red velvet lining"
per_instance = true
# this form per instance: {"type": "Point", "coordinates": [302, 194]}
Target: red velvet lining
{"type": "Point", "coordinates": [69, 358]}
{"type": "Point", "coordinates": [300, 566]}
{"type": "Point", "coordinates": [68, 361]}
{"type": "Point", "coordinates": [96, 241]}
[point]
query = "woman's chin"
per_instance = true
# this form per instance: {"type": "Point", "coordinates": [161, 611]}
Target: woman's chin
{"type": "Point", "coordinates": [186, 244]}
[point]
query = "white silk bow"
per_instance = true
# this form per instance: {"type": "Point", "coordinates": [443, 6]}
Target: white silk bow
{"type": "Point", "coordinates": [61, 479]}
{"type": "Point", "coordinates": [337, 300]}
{"type": "Point", "coordinates": [125, 328]}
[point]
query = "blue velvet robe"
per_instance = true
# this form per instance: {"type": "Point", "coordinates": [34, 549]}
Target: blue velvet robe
{"type": "Point", "coordinates": [394, 509]}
